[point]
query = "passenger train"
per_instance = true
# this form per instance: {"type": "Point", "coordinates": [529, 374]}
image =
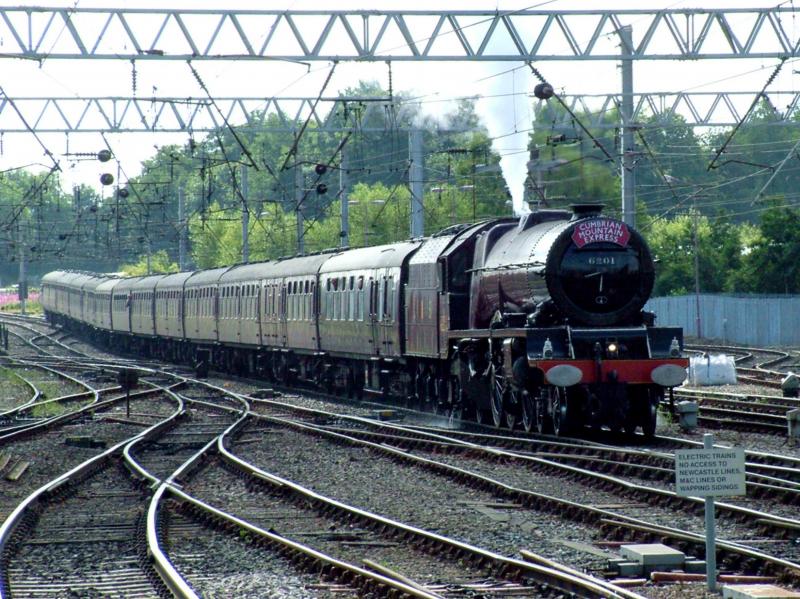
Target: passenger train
{"type": "Point", "coordinates": [535, 320]}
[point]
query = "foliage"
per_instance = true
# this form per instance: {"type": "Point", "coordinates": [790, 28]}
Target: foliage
{"type": "Point", "coordinates": [156, 264]}
{"type": "Point", "coordinates": [745, 237]}
{"type": "Point", "coordinates": [673, 245]}
{"type": "Point", "coordinates": [771, 256]}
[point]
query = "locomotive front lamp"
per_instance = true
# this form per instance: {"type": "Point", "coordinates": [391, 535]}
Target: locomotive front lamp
{"type": "Point", "coordinates": [612, 350]}
{"type": "Point", "coordinates": [547, 349]}
{"type": "Point", "coordinates": [675, 348]}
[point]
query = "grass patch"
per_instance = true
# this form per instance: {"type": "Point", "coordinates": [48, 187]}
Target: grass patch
{"type": "Point", "coordinates": [13, 391]}
{"type": "Point", "coordinates": [31, 307]}
{"type": "Point", "coordinates": [48, 410]}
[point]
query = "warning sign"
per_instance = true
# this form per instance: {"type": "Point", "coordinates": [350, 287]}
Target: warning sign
{"type": "Point", "coordinates": [709, 472]}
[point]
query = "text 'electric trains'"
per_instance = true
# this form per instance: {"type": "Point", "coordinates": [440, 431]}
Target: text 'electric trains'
{"type": "Point", "coordinates": [536, 320]}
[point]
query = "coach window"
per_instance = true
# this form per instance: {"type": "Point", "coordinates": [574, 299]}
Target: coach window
{"type": "Point", "coordinates": [335, 300]}
{"type": "Point", "coordinates": [360, 299]}
{"type": "Point", "coordinates": [380, 284]}
{"type": "Point", "coordinates": [389, 292]}
{"type": "Point", "coordinates": [332, 298]}
{"type": "Point", "coordinates": [299, 300]}
{"type": "Point", "coordinates": [293, 302]}
{"type": "Point", "coordinates": [288, 301]}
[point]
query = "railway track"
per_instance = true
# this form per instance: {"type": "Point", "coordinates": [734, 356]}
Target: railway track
{"type": "Point", "coordinates": [206, 463]}
{"type": "Point", "coordinates": [408, 449]}
{"type": "Point", "coordinates": [179, 443]}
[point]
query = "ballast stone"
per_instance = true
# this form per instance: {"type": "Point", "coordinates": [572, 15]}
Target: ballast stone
{"type": "Point", "coordinates": [757, 591]}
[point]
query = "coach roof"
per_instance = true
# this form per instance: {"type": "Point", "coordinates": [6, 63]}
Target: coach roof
{"type": "Point", "coordinates": [379, 256]}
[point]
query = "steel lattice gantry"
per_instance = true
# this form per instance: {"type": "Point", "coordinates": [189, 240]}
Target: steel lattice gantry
{"type": "Point", "coordinates": [179, 115]}
{"type": "Point", "coordinates": [41, 33]}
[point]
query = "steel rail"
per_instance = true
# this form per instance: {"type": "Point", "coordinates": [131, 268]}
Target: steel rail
{"type": "Point", "coordinates": [72, 476]}
{"type": "Point", "coordinates": [776, 523]}
{"type": "Point", "coordinates": [551, 576]}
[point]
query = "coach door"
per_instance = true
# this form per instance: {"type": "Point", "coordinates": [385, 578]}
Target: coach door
{"type": "Point", "coordinates": [282, 332]}
{"type": "Point", "coordinates": [374, 314]}
{"type": "Point", "coordinates": [385, 312]}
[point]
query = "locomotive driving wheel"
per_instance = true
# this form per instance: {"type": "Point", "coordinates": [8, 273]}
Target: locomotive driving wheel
{"type": "Point", "coordinates": [533, 411]}
{"type": "Point", "coordinates": [456, 400]}
{"type": "Point", "coordinates": [514, 406]}
{"type": "Point", "coordinates": [650, 414]}
{"type": "Point", "coordinates": [561, 412]}
{"type": "Point", "coordinates": [497, 392]}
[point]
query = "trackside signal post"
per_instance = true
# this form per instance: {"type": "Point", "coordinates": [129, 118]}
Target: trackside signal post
{"type": "Point", "coordinates": [710, 472]}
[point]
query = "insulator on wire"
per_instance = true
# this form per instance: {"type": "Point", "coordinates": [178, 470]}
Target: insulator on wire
{"type": "Point", "coordinates": [543, 91]}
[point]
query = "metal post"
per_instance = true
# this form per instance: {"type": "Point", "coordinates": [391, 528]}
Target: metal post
{"type": "Point", "coordinates": [344, 184]}
{"type": "Point", "coordinates": [298, 196]}
{"type": "Point", "coordinates": [415, 180]}
{"type": "Point", "coordinates": [181, 229]}
{"type": "Point", "coordinates": [711, 533]}
{"type": "Point", "coordinates": [696, 245]}
{"type": "Point", "coordinates": [149, 254]}
{"type": "Point", "coordinates": [245, 216]}
{"type": "Point", "coordinates": [628, 146]}
{"type": "Point", "coordinates": [21, 287]}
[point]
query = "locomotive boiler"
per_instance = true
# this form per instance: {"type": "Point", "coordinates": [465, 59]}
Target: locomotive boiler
{"type": "Point", "coordinates": [535, 320]}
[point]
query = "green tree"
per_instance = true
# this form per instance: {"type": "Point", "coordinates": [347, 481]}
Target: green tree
{"type": "Point", "coordinates": [673, 245]}
{"type": "Point", "coordinates": [159, 263]}
{"type": "Point", "coordinates": [771, 259]}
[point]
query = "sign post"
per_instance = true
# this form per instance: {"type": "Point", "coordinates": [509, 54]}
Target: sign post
{"type": "Point", "coordinates": [127, 378]}
{"type": "Point", "coordinates": [710, 472]}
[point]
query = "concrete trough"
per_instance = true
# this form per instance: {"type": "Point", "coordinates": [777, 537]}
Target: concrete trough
{"type": "Point", "coordinates": [757, 591]}
{"type": "Point", "coordinates": [793, 422]}
{"type": "Point", "coordinates": [687, 415]}
{"type": "Point", "coordinates": [654, 556]}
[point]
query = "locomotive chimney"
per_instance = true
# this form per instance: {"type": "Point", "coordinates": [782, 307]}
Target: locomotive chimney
{"type": "Point", "coordinates": [586, 210]}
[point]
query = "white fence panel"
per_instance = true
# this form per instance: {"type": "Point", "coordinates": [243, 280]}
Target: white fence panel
{"type": "Point", "coordinates": [745, 319]}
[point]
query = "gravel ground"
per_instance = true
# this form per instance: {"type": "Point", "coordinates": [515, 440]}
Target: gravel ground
{"type": "Point", "coordinates": [358, 477]}
{"type": "Point", "coordinates": [49, 456]}
{"type": "Point", "coordinates": [460, 512]}
{"type": "Point", "coordinates": [583, 492]}
{"type": "Point", "coordinates": [86, 546]}
{"type": "Point", "coordinates": [340, 539]}
{"type": "Point", "coordinates": [219, 565]}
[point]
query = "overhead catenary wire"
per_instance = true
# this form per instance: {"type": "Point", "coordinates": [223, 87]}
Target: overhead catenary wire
{"type": "Point", "coordinates": [771, 78]}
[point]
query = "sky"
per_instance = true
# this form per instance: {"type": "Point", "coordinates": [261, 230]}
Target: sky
{"type": "Point", "coordinates": [504, 88]}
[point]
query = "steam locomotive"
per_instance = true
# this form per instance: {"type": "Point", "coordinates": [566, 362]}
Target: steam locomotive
{"type": "Point", "coordinates": [536, 320]}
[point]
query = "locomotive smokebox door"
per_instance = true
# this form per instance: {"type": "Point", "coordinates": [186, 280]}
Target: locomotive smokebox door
{"type": "Point", "coordinates": [128, 378]}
